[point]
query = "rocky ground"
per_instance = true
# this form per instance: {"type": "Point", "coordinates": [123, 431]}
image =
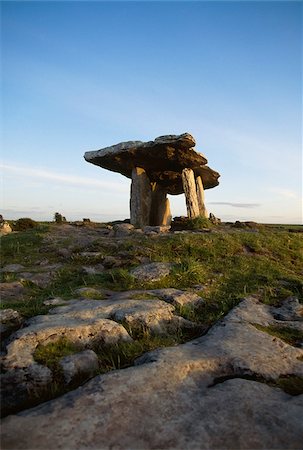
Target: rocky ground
{"type": "Point", "coordinates": [235, 385]}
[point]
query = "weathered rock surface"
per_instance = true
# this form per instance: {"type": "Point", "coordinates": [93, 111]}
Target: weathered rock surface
{"type": "Point", "coordinates": [12, 268]}
{"type": "Point", "coordinates": [5, 228]}
{"type": "Point", "coordinates": [123, 229]}
{"type": "Point", "coordinates": [82, 327]}
{"type": "Point", "coordinates": [162, 159]}
{"type": "Point", "coordinates": [193, 396]}
{"type": "Point", "coordinates": [179, 298]}
{"type": "Point", "coordinates": [79, 365]}
{"type": "Point", "coordinates": [9, 321]}
{"type": "Point", "coordinates": [152, 271]}
{"type": "Point", "coordinates": [12, 291]}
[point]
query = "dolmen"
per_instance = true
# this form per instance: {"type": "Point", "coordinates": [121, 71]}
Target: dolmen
{"type": "Point", "coordinates": [167, 165]}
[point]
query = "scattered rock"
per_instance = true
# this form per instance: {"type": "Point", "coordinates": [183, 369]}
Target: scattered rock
{"type": "Point", "coordinates": [290, 310]}
{"type": "Point", "coordinates": [5, 228]}
{"type": "Point", "coordinates": [64, 252]}
{"type": "Point", "coordinates": [10, 320]}
{"type": "Point", "coordinates": [20, 387]}
{"type": "Point", "coordinates": [80, 365]}
{"type": "Point", "coordinates": [40, 279]}
{"type": "Point", "coordinates": [179, 298]}
{"type": "Point", "coordinates": [214, 220]}
{"type": "Point", "coordinates": [152, 271]}
{"type": "Point", "coordinates": [91, 254]}
{"type": "Point", "coordinates": [12, 291]}
{"type": "Point", "coordinates": [110, 262]}
{"type": "Point", "coordinates": [123, 229]}
{"type": "Point", "coordinates": [156, 229]}
{"type": "Point", "coordinates": [93, 270]}
{"type": "Point", "coordinates": [54, 301]}
{"type": "Point", "coordinates": [12, 268]}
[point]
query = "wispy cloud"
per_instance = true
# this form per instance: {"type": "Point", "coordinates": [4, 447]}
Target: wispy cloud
{"type": "Point", "coordinates": [237, 205]}
{"type": "Point", "coordinates": [37, 173]}
{"type": "Point", "coordinates": [288, 193]}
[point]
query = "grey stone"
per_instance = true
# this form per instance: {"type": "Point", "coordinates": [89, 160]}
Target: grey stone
{"type": "Point", "coordinates": [179, 298]}
{"type": "Point", "coordinates": [40, 279]}
{"type": "Point", "coordinates": [11, 291]}
{"type": "Point", "coordinates": [93, 270]}
{"type": "Point", "coordinates": [111, 261]}
{"type": "Point", "coordinates": [152, 271]}
{"type": "Point", "coordinates": [82, 327]}
{"type": "Point", "coordinates": [156, 229]}
{"type": "Point", "coordinates": [9, 321]}
{"type": "Point", "coordinates": [12, 268]}
{"type": "Point", "coordinates": [19, 387]}
{"type": "Point", "coordinates": [54, 301]}
{"type": "Point", "coordinates": [123, 229]}
{"type": "Point", "coordinates": [5, 228]}
{"type": "Point", "coordinates": [291, 309]}
{"type": "Point", "coordinates": [83, 364]}
{"type": "Point", "coordinates": [91, 254]}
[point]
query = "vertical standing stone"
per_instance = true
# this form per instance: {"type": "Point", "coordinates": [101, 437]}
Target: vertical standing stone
{"type": "Point", "coordinates": [200, 196]}
{"type": "Point", "coordinates": [189, 186]}
{"type": "Point", "coordinates": [140, 198]}
{"type": "Point", "coordinates": [160, 208]}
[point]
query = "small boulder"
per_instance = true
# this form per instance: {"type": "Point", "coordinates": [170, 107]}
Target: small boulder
{"type": "Point", "coordinates": [123, 229]}
{"type": "Point", "coordinates": [152, 272]}
{"type": "Point", "coordinates": [13, 290]}
{"type": "Point", "coordinates": [5, 228]}
{"type": "Point", "coordinates": [111, 262]}
{"type": "Point", "coordinates": [10, 320]}
{"type": "Point", "coordinates": [12, 268]}
{"type": "Point", "coordinates": [156, 229]}
{"type": "Point", "coordinates": [80, 365]}
{"type": "Point", "coordinates": [179, 298]}
{"type": "Point", "coordinates": [93, 270]}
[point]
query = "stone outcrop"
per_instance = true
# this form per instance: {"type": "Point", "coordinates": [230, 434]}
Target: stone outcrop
{"type": "Point", "coordinates": [167, 165]}
{"type": "Point", "coordinates": [9, 321]}
{"type": "Point", "coordinates": [218, 391]}
{"type": "Point", "coordinates": [152, 271]}
{"type": "Point", "coordinates": [5, 228]}
{"type": "Point", "coordinates": [80, 365]}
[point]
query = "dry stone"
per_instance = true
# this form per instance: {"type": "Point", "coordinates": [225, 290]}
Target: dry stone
{"type": "Point", "coordinates": [80, 365]}
{"type": "Point", "coordinates": [84, 329]}
{"type": "Point", "coordinates": [179, 298]}
{"type": "Point", "coordinates": [9, 321]}
{"type": "Point", "coordinates": [5, 228]}
{"type": "Point", "coordinates": [12, 268]}
{"type": "Point", "coordinates": [123, 229]}
{"type": "Point", "coordinates": [12, 291]}
{"type": "Point", "coordinates": [152, 271]}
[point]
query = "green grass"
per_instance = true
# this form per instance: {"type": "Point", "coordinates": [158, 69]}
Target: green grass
{"type": "Point", "coordinates": [229, 263]}
{"type": "Point", "coordinates": [289, 335]}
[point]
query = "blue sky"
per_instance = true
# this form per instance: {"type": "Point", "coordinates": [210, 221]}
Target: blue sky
{"type": "Point", "coordinates": [79, 76]}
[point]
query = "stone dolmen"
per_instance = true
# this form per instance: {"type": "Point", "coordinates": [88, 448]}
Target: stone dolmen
{"type": "Point", "coordinates": [167, 165]}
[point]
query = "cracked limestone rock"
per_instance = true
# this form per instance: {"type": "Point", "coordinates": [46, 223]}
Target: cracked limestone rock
{"type": "Point", "coordinates": [172, 398]}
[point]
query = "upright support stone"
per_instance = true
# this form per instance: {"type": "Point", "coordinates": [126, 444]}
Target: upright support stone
{"type": "Point", "coordinates": [160, 214]}
{"type": "Point", "coordinates": [200, 196]}
{"type": "Point", "coordinates": [140, 198]}
{"type": "Point", "coordinates": [189, 186]}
